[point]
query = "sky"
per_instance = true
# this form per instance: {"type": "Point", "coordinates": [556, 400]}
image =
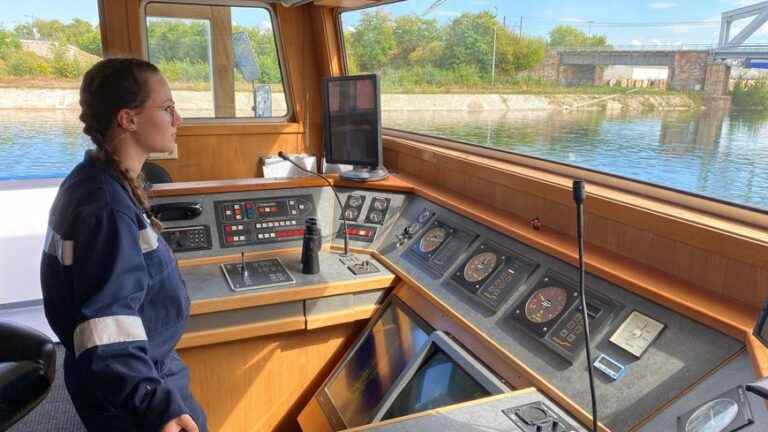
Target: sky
{"type": "Point", "coordinates": [624, 22]}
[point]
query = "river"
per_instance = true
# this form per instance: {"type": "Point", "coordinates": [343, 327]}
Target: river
{"type": "Point", "coordinates": [715, 154]}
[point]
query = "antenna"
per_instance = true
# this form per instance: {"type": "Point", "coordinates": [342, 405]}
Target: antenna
{"type": "Point", "coordinates": [579, 194]}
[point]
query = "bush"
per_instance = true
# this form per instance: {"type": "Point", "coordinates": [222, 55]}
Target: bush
{"type": "Point", "coordinates": [28, 64]}
{"type": "Point", "coordinates": [185, 70]}
{"type": "Point", "coordinates": [750, 95]}
{"type": "Point", "coordinates": [63, 64]}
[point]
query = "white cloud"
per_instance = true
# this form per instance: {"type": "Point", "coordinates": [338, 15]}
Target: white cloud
{"type": "Point", "coordinates": [662, 5]}
{"type": "Point", "coordinates": [636, 42]}
{"type": "Point", "coordinates": [573, 20]}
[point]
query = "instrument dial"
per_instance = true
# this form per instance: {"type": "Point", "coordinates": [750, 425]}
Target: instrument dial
{"type": "Point", "coordinates": [355, 201]}
{"type": "Point", "coordinates": [379, 204]}
{"type": "Point", "coordinates": [433, 239]}
{"type": "Point", "coordinates": [546, 304]}
{"type": "Point", "coordinates": [351, 214]}
{"type": "Point", "coordinates": [480, 266]}
{"type": "Point", "coordinates": [715, 416]}
{"type": "Point", "coordinates": [375, 216]}
{"type": "Point", "coordinates": [413, 228]}
{"type": "Point", "coordinates": [423, 216]}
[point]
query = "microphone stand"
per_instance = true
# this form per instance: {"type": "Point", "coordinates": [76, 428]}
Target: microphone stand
{"type": "Point", "coordinates": [579, 195]}
{"type": "Point", "coordinates": [285, 157]}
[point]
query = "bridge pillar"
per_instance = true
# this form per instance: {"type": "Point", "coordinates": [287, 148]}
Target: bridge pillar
{"type": "Point", "coordinates": [688, 71]}
{"type": "Point", "coordinates": [575, 75]}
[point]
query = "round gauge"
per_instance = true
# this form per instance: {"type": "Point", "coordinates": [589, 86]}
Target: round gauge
{"type": "Point", "coordinates": [714, 416]}
{"type": "Point", "coordinates": [423, 216]}
{"type": "Point", "coordinates": [546, 304]}
{"type": "Point", "coordinates": [480, 266]}
{"type": "Point", "coordinates": [350, 214]}
{"type": "Point", "coordinates": [432, 239]}
{"type": "Point", "coordinates": [375, 216]}
{"type": "Point", "coordinates": [379, 204]}
{"type": "Point", "coordinates": [413, 228]}
{"type": "Point", "coordinates": [355, 201]}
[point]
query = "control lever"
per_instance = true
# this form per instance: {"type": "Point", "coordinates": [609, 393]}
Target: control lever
{"type": "Point", "coordinates": [243, 268]}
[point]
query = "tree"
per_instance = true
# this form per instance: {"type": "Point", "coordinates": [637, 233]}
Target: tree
{"type": "Point", "coordinates": [8, 43]}
{"type": "Point", "coordinates": [171, 39]}
{"type": "Point", "coordinates": [469, 41]}
{"type": "Point", "coordinates": [373, 41]}
{"type": "Point", "coordinates": [411, 34]}
{"type": "Point", "coordinates": [564, 36]}
{"type": "Point", "coordinates": [516, 53]}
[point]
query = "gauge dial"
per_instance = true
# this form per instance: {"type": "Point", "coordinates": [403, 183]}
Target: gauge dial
{"type": "Point", "coordinates": [546, 304]}
{"type": "Point", "coordinates": [480, 266]}
{"type": "Point", "coordinates": [351, 214]}
{"type": "Point", "coordinates": [379, 204]}
{"type": "Point", "coordinates": [715, 416]}
{"type": "Point", "coordinates": [355, 201]}
{"type": "Point", "coordinates": [432, 239]}
{"type": "Point", "coordinates": [413, 228]}
{"type": "Point", "coordinates": [375, 216]}
{"type": "Point", "coordinates": [423, 216]}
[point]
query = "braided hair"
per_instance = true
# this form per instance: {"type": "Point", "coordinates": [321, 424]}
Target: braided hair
{"type": "Point", "coordinates": [108, 87]}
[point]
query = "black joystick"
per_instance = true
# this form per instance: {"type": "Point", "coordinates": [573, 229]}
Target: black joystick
{"type": "Point", "coordinates": [310, 249]}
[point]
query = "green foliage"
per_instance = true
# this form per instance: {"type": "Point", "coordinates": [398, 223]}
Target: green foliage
{"type": "Point", "coordinates": [175, 40]}
{"type": "Point", "coordinates": [8, 43]}
{"type": "Point", "coordinates": [373, 41]}
{"type": "Point", "coordinates": [265, 52]}
{"type": "Point", "coordinates": [469, 41]}
{"type": "Point", "coordinates": [564, 36]}
{"type": "Point", "coordinates": [63, 64]}
{"type": "Point", "coordinates": [78, 32]}
{"type": "Point", "coordinates": [411, 34]}
{"type": "Point", "coordinates": [27, 64]}
{"type": "Point", "coordinates": [750, 95]}
{"type": "Point", "coordinates": [516, 54]}
{"type": "Point", "coordinates": [184, 70]}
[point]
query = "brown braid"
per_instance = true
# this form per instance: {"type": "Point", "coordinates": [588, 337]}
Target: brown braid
{"type": "Point", "coordinates": [108, 87]}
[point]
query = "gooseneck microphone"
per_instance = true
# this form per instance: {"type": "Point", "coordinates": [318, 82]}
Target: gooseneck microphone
{"type": "Point", "coordinates": [579, 194]}
{"type": "Point", "coordinates": [285, 157]}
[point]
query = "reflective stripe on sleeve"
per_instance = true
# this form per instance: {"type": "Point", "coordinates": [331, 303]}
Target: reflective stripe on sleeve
{"type": "Point", "coordinates": [147, 239]}
{"type": "Point", "coordinates": [64, 250]}
{"type": "Point", "coordinates": [108, 330]}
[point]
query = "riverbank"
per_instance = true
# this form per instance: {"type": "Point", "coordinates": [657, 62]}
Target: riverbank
{"type": "Point", "coordinates": [200, 103]}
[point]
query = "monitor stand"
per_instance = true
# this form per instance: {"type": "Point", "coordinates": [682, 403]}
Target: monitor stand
{"type": "Point", "coordinates": [365, 174]}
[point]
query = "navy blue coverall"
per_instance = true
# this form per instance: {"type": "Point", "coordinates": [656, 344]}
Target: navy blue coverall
{"type": "Point", "coordinates": [115, 298]}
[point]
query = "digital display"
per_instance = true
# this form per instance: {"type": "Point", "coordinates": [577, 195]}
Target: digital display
{"type": "Point", "coordinates": [353, 126]}
{"type": "Point", "coordinates": [368, 374]}
{"type": "Point", "coordinates": [439, 382]}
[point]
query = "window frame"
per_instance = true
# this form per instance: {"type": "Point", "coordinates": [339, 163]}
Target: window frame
{"type": "Point", "coordinates": [277, 36]}
{"type": "Point", "coordinates": [675, 197]}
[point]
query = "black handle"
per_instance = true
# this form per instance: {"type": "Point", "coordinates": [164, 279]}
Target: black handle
{"type": "Point", "coordinates": [177, 210]}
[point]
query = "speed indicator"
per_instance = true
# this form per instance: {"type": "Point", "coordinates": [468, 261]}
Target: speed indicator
{"type": "Point", "coordinates": [432, 239]}
{"type": "Point", "coordinates": [545, 304]}
{"type": "Point", "coordinates": [480, 266]}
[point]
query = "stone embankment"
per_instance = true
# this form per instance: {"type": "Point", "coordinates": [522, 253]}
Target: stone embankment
{"type": "Point", "coordinates": [200, 103]}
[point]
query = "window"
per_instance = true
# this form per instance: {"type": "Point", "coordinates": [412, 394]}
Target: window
{"type": "Point", "coordinates": [220, 61]}
{"type": "Point", "coordinates": [638, 90]}
{"type": "Point", "coordinates": [45, 48]}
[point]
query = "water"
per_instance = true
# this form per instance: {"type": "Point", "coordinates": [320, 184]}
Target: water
{"type": "Point", "coordinates": [714, 154]}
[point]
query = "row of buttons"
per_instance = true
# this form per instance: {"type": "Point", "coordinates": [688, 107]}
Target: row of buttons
{"type": "Point", "coordinates": [235, 238]}
{"type": "Point", "coordinates": [274, 224]}
{"type": "Point", "coordinates": [267, 235]}
{"type": "Point", "coordinates": [229, 228]}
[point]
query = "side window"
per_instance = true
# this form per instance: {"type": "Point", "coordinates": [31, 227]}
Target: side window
{"type": "Point", "coordinates": [220, 61]}
{"type": "Point", "coordinates": [42, 62]}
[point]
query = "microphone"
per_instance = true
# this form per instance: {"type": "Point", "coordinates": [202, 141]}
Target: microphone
{"type": "Point", "coordinates": [578, 197]}
{"type": "Point", "coordinates": [285, 157]}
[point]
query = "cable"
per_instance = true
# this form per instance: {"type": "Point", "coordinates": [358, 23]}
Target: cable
{"type": "Point", "coordinates": [284, 157]}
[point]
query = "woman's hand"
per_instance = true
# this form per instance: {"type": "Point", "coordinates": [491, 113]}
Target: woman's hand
{"type": "Point", "coordinates": [181, 423]}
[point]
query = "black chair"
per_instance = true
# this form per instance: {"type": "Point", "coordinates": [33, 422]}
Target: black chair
{"type": "Point", "coordinates": [155, 174]}
{"type": "Point", "coordinates": [27, 370]}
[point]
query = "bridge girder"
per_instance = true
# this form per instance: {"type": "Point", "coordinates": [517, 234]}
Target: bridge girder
{"type": "Point", "coordinates": [760, 13]}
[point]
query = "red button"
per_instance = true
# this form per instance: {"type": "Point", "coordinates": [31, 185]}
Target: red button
{"type": "Point", "coordinates": [227, 228]}
{"type": "Point", "coordinates": [230, 239]}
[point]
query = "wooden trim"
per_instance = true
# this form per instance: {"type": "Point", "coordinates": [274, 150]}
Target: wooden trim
{"type": "Point", "coordinates": [340, 317]}
{"type": "Point", "coordinates": [237, 127]}
{"type": "Point", "coordinates": [438, 411]}
{"type": "Point", "coordinates": [313, 419]}
{"type": "Point", "coordinates": [291, 294]}
{"type": "Point", "coordinates": [166, 10]}
{"type": "Point", "coordinates": [245, 331]}
{"type": "Point", "coordinates": [222, 58]}
{"type": "Point", "coordinates": [759, 355]}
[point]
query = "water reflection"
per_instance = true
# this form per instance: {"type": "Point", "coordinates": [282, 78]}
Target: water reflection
{"type": "Point", "coordinates": [712, 153]}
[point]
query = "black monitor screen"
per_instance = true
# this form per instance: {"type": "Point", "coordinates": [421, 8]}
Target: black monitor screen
{"type": "Point", "coordinates": [439, 382]}
{"type": "Point", "coordinates": [352, 120]}
{"type": "Point", "coordinates": [364, 379]}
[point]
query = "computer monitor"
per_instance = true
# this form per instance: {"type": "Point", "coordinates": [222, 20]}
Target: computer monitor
{"type": "Point", "coordinates": [442, 374]}
{"type": "Point", "coordinates": [353, 393]}
{"type": "Point", "coordinates": [352, 121]}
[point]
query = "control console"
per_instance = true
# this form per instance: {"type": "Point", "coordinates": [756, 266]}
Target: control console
{"type": "Point", "coordinates": [250, 222]}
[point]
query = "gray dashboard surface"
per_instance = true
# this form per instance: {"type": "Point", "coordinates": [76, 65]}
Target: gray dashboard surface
{"type": "Point", "coordinates": [208, 282]}
{"type": "Point", "coordinates": [682, 355]}
{"type": "Point", "coordinates": [477, 417]}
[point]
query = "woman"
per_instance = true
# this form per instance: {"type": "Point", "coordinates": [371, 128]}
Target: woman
{"type": "Point", "coordinates": [112, 291]}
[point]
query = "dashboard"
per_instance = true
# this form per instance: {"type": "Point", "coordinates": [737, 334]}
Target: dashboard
{"type": "Point", "coordinates": [655, 369]}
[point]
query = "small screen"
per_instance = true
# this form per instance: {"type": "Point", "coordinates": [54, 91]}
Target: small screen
{"type": "Point", "coordinates": [359, 387]}
{"type": "Point", "coordinates": [439, 382]}
{"type": "Point", "coordinates": [352, 120]}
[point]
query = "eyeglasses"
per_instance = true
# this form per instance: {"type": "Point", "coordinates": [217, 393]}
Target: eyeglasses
{"type": "Point", "coordinates": [170, 109]}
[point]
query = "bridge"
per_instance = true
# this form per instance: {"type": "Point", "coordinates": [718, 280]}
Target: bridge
{"type": "Point", "coordinates": [698, 67]}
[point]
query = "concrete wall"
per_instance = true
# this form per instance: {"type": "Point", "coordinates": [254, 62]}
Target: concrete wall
{"type": "Point", "coordinates": [575, 75]}
{"type": "Point", "coordinates": [688, 71]}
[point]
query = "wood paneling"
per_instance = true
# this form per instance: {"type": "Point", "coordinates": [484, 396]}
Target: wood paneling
{"type": "Point", "coordinates": [223, 60]}
{"type": "Point", "coordinates": [715, 255]}
{"type": "Point", "coordinates": [261, 384]}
